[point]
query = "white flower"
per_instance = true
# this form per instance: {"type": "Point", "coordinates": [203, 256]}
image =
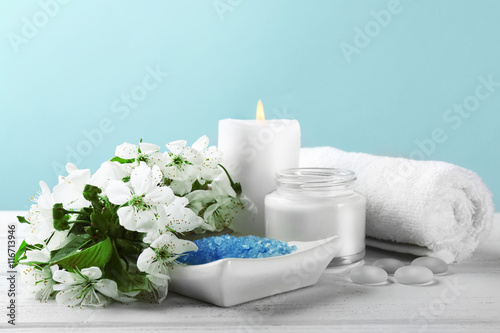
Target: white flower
{"type": "Point", "coordinates": [42, 255]}
{"type": "Point", "coordinates": [221, 187]}
{"type": "Point", "coordinates": [221, 214]}
{"type": "Point", "coordinates": [58, 240]}
{"type": "Point", "coordinates": [69, 191]}
{"type": "Point", "coordinates": [174, 217]}
{"type": "Point", "coordinates": [181, 166]}
{"type": "Point", "coordinates": [221, 204]}
{"type": "Point", "coordinates": [200, 199]}
{"type": "Point", "coordinates": [40, 217]}
{"type": "Point", "coordinates": [212, 157]}
{"type": "Point", "coordinates": [159, 288]}
{"type": "Point", "coordinates": [40, 281]}
{"type": "Point", "coordinates": [162, 253]}
{"type": "Point", "coordinates": [141, 194]}
{"type": "Point", "coordinates": [107, 172]}
{"type": "Point", "coordinates": [85, 288]}
{"type": "Point", "coordinates": [140, 153]}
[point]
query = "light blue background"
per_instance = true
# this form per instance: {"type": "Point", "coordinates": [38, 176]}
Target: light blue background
{"type": "Point", "coordinates": [64, 80]}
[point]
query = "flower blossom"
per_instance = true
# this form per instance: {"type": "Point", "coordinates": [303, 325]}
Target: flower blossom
{"type": "Point", "coordinates": [139, 197]}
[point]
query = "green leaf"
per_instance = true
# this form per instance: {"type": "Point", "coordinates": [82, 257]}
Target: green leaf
{"type": "Point", "coordinates": [127, 282]}
{"type": "Point", "coordinates": [77, 229]}
{"type": "Point", "coordinates": [20, 254]}
{"type": "Point", "coordinates": [21, 219]}
{"type": "Point", "coordinates": [127, 247]}
{"type": "Point", "coordinates": [70, 248]}
{"type": "Point", "coordinates": [126, 179]}
{"type": "Point", "coordinates": [38, 264]}
{"type": "Point", "coordinates": [122, 160]}
{"type": "Point", "coordinates": [60, 217]}
{"type": "Point", "coordinates": [100, 221]}
{"type": "Point", "coordinates": [97, 255]}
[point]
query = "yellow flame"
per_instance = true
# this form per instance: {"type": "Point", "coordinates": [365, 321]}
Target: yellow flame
{"type": "Point", "coordinates": [260, 111]}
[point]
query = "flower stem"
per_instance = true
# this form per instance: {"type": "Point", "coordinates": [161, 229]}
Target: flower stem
{"type": "Point", "coordinates": [80, 221]}
{"type": "Point", "coordinates": [228, 176]}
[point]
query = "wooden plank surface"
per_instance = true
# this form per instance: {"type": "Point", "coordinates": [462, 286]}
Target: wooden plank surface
{"type": "Point", "coordinates": [466, 299]}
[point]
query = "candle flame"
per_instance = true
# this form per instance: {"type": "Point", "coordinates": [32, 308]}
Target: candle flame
{"type": "Point", "coordinates": [260, 111]}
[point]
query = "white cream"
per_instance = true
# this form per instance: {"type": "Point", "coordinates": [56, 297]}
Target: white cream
{"type": "Point", "coordinates": [316, 203]}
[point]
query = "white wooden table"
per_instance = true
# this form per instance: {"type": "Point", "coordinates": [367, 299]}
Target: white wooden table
{"type": "Point", "coordinates": [465, 299]}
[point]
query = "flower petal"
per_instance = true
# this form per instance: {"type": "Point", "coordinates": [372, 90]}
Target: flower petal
{"type": "Point", "coordinates": [221, 186]}
{"type": "Point", "coordinates": [176, 147]}
{"type": "Point", "coordinates": [146, 258]}
{"type": "Point", "coordinates": [38, 255]}
{"type": "Point", "coordinates": [67, 278]}
{"type": "Point", "coordinates": [45, 188]}
{"type": "Point", "coordinates": [70, 297]}
{"type": "Point", "coordinates": [192, 155]}
{"type": "Point", "coordinates": [107, 287]}
{"type": "Point", "coordinates": [126, 151]}
{"type": "Point", "coordinates": [159, 279]}
{"type": "Point", "coordinates": [145, 220]}
{"type": "Point", "coordinates": [70, 167]}
{"type": "Point", "coordinates": [159, 196]}
{"type": "Point", "coordinates": [126, 217]}
{"type": "Point", "coordinates": [181, 187]}
{"type": "Point", "coordinates": [162, 240]}
{"type": "Point", "coordinates": [156, 174]}
{"type": "Point", "coordinates": [136, 220]}
{"type": "Point", "coordinates": [201, 144]}
{"type": "Point", "coordinates": [180, 246]}
{"type": "Point", "coordinates": [141, 179]}
{"type": "Point", "coordinates": [107, 172]}
{"type": "Point", "coordinates": [148, 148]}
{"type": "Point", "coordinates": [118, 192]}
{"type": "Point", "coordinates": [93, 273]}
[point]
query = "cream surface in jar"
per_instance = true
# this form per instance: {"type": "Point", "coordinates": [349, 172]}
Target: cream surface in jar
{"type": "Point", "coordinates": [315, 203]}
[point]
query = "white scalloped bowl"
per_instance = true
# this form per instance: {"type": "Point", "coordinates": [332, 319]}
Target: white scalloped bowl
{"type": "Point", "coordinates": [233, 281]}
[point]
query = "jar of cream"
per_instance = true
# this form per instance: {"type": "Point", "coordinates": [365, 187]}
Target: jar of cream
{"type": "Point", "coordinates": [315, 203]}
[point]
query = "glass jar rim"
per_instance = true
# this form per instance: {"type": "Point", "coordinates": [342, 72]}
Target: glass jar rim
{"type": "Point", "coordinates": [315, 178]}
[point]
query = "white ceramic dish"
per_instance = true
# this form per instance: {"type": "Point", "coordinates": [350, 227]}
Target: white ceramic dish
{"type": "Point", "coordinates": [233, 281]}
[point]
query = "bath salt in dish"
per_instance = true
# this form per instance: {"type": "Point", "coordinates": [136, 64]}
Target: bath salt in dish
{"type": "Point", "coordinates": [221, 247]}
{"type": "Point", "coordinates": [436, 265]}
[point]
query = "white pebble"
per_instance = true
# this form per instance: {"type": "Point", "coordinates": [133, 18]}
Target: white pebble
{"type": "Point", "coordinates": [368, 275]}
{"type": "Point", "coordinates": [389, 265]}
{"type": "Point", "coordinates": [436, 265]}
{"type": "Point", "coordinates": [413, 275]}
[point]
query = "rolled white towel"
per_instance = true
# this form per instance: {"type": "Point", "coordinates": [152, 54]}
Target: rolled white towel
{"type": "Point", "coordinates": [426, 208]}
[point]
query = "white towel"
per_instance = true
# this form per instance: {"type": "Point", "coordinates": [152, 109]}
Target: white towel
{"type": "Point", "coordinates": [426, 208]}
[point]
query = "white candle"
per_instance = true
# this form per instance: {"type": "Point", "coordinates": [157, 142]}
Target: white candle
{"type": "Point", "coordinates": [253, 152]}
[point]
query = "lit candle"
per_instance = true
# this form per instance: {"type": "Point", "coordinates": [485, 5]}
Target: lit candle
{"type": "Point", "coordinates": [253, 152]}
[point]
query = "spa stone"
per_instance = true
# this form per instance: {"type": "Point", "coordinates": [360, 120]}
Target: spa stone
{"type": "Point", "coordinates": [413, 275]}
{"type": "Point", "coordinates": [368, 275]}
{"type": "Point", "coordinates": [436, 265]}
{"type": "Point", "coordinates": [389, 265]}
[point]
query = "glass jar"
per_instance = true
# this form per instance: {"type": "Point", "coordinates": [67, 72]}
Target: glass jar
{"type": "Point", "coordinates": [315, 203]}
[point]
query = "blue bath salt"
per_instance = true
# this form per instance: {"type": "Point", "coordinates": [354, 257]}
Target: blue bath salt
{"type": "Point", "coordinates": [220, 247]}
